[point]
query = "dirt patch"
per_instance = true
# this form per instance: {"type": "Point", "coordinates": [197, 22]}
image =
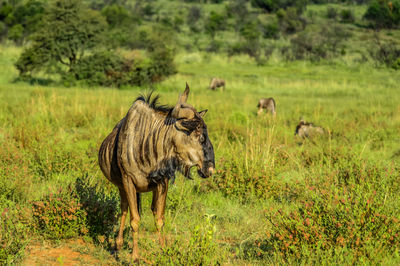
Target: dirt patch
{"type": "Point", "coordinates": [71, 252]}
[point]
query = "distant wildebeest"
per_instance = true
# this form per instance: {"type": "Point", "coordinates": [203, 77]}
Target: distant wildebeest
{"type": "Point", "coordinates": [268, 104]}
{"type": "Point", "coordinates": [217, 83]}
{"type": "Point", "coordinates": [305, 130]}
{"type": "Point", "coordinates": [144, 151]}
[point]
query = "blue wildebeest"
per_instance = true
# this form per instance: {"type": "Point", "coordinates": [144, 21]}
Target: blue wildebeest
{"type": "Point", "coordinates": [306, 130]}
{"type": "Point", "coordinates": [217, 83]}
{"type": "Point", "coordinates": [144, 151]}
{"type": "Point", "coordinates": [267, 104]}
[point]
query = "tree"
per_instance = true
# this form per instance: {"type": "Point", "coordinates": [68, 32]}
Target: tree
{"type": "Point", "coordinates": [215, 23]}
{"type": "Point", "coordinates": [16, 32]}
{"type": "Point", "coordinates": [384, 13]}
{"type": "Point", "coordinates": [68, 31]}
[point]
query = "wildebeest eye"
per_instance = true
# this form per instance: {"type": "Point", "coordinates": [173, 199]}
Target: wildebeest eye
{"type": "Point", "coordinates": [202, 138]}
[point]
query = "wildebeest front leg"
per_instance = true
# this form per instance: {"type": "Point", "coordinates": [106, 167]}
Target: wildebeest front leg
{"type": "Point", "coordinates": [158, 208]}
{"type": "Point", "coordinates": [135, 217]}
{"type": "Point", "coordinates": [124, 211]}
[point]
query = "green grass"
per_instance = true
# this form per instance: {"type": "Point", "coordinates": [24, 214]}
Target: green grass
{"type": "Point", "coordinates": [50, 137]}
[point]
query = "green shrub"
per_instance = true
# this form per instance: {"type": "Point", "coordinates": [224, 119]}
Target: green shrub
{"type": "Point", "coordinates": [290, 21]}
{"type": "Point", "coordinates": [315, 46]}
{"type": "Point", "coordinates": [349, 220]}
{"type": "Point", "coordinates": [396, 64]}
{"type": "Point", "coordinates": [215, 22]}
{"type": "Point", "coordinates": [347, 16]}
{"type": "Point", "coordinates": [383, 13]}
{"type": "Point", "coordinates": [234, 179]}
{"type": "Point", "coordinates": [16, 32]}
{"type": "Point", "coordinates": [385, 52]}
{"type": "Point", "coordinates": [100, 206]}
{"type": "Point", "coordinates": [14, 232]}
{"type": "Point", "coordinates": [199, 249]}
{"type": "Point", "coordinates": [59, 215]}
{"type": "Point", "coordinates": [331, 12]}
{"type": "Point", "coordinates": [271, 31]}
{"type": "Point", "coordinates": [274, 5]}
{"type": "Point", "coordinates": [101, 68]}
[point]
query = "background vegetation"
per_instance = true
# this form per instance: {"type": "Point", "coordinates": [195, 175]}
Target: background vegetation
{"type": "Point", "coordinates": [275, 198]}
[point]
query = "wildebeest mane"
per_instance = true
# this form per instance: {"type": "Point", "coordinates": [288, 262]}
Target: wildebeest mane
{"type": "Point", "coordinates": [153, 103]}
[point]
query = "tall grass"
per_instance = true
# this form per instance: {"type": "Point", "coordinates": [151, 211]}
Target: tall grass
{"type": "Point", "coordinates": [274, 198]}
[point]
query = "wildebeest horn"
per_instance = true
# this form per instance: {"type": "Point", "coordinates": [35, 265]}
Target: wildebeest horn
{"type": "Point", "coordinates": [182, 99]}
{"type": "Point", "coordinates": [185, 94]}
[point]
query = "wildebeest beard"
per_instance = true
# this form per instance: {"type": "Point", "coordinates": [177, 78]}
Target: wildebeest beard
{"type": "Point", "coordinates": [167, 169]}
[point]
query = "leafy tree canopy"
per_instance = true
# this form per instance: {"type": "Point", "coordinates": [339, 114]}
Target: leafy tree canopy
{"type": "Point", "coordinates": [68, 30]}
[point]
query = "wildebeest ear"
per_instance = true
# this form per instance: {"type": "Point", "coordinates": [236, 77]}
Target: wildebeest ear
{"type": "Point", "coordinates": [203, 113]}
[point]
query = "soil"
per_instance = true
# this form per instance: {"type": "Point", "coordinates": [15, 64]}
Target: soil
{"type": "Point", "coordinates": [72, 252]}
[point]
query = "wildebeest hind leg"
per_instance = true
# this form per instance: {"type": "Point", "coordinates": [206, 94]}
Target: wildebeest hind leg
{"type": "Point", "coordinates": [158, 208]}
{"type": "Point", "coordinates": [134, 214]}
{"type": "Point", "coordinates": [124, 211]}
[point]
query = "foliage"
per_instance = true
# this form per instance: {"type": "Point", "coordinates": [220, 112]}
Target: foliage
{"type": "Point", "coordinates": [316, 46]}
{"type": "Point", "coordinates": [115, 15]}
{"type": "Point", "coordinates": [214, 23]}
{"type": "Point", "coordinates": [101, 207]}
{"type": "Point", "coordinates": [13, 231]}
{"type": "Point", "coordinates": [331, 12]}
{"type": "Point", "coordinates": [199, 249]}
{"type": "Point", "coordinates": [271, 5]}
{"type": "Point", "coordinates": [22, 18]}
{"type": "Point", "coordinates": [71, 46]}
{"type": "Point", "coordinates": [68, 31]}
{"type": "Point", "coordinates": [16, 32]}
{"type": "Point", "coordinates": [351, 218]}
{"type": "Point", "coordinates": [193, 17]}
{"type": "Point", "coordinates": [383, 13]}
{"type": "Point", "coordinates": [290, 21]}
{"type": "Point", "coordinates": [347, 16]}
{"type": "Point", "coordinates": [385, 52]}
{"type": "Point", "coordinates": [60, 215]}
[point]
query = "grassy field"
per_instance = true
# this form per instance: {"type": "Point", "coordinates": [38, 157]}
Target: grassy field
{"type": "Point", "coordinates": [275, 198]}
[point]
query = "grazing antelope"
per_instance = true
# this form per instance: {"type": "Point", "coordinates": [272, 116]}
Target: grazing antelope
{"type": "Point", "coordinates": [217, 83]}
{"type": "Point", "coordinates": [268, 104]}
{"type": "Point", "coordinates": [144, 151]}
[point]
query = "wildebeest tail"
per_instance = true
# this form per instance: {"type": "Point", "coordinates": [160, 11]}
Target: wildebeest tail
{"type": "Point", "coordinates": [139, 203]}
{"type": "Point", "coordinates": [273, 100]}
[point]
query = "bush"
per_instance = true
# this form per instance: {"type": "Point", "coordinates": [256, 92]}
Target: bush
{"type": "Point", "coordinates": [233, 179]}
{"type": "Point", "coordinates": [13, 232]}
{"type": "Point", "coordinates": [271, 31]}
{"type": "Point", "coordinates": [100, 68]}
{"type": "Point", "coordinates": [315, 46]}
{"type": "Point", "coordinates": [290, 21]}
{"type": "Point", "coordinates": [214, 23]}
{"type": "Point", "coordinates": [199, 249]}
{"type": "Point", "coordinates": [100, 206]}
{"type": "Point", "coordinates": [274, 5]}
{"type": "Point", "coordinates": [193, 17]}
{"type": "Point", "coordinates": [15, 33]}
{"type": "Point", "coordinates": [245, 47]}
{"type": "Point", "coordinates": [331, 12]}
{"type": "Point", "coordinates": [385, 52]}
{"type": "Point", "coordinates": [383, 13]}
{"type": "Point", "coordinates": [347, 16]}
{"type": "Point", "coordinates": [350, 221]}
{"type": "Point", "coordinates": [60, 215]}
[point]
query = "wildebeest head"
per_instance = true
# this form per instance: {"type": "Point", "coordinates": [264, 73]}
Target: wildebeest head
{"type": "Point", "coordinates": [192, 144]}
